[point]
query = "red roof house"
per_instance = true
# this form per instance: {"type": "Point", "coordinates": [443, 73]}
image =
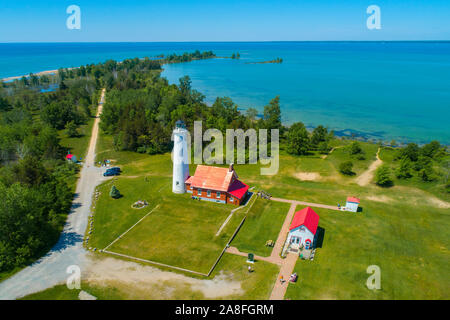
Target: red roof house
{"type": "Point", "coordinates": [216, 184]}
{"type": "Point", "coordinates": [303, 228]}
{"type": "Point", "coordinates": [305, 217]}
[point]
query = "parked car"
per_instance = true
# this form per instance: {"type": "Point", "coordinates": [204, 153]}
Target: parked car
{"type": "Point", "coordinates": [110, 172]}
{"type": "Point", "coordinates": [115, 169]}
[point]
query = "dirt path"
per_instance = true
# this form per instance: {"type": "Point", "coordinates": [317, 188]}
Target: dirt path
{"type": "Point", "coordinates": [50, 270]}
{"type": "Point", "coordinates": [367, 176]}
{"type": "Point", "coordinates": [308, 204]}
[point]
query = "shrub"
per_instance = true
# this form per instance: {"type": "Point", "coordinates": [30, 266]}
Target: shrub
{"type": "Point", "coordinates": [346, 168]}
{"type": "Point", "coordinates": [427, 174]}
{"type": "Point", "coordinates": [355, 148]}
{"type": "Point", "coordinates": [383, 176]}
{"type": "Point", "coordinates": [404, 171]}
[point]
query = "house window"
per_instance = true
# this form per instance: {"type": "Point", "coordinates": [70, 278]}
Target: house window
{"type": "Point", "coordinates": [231, 199]}
{"type": "Point", "coordinates": [199, 192]}
{"type": "Point", "coordinates": [218, 194]}
{"type": "Point", "coordinates": [208, 193]}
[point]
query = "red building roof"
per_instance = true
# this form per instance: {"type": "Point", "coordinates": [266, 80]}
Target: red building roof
{"type": "Point", "coordinates": [215, 178]}
{"type": "Point", "coordinates": [306, 217]}
{"type": "Point", "coordinates": [238, 189]}
{"type": "Point", "coordinates": [69, 156]}
{"type": "Point", "coordinates": [353, 199]}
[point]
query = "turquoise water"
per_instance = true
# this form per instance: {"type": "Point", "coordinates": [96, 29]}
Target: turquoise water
{"type": "Point", "coordinates": [387, 90]}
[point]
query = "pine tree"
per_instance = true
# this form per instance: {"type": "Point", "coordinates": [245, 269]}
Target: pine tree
{"type": "Point", "coordinates": [114, 193]}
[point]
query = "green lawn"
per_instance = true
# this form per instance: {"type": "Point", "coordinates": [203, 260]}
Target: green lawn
{"type": "Point", "coordinates": [180, 232]}
{"type": "Point", "coordinates": [410, 245]}
{"type": "Point", "coordinates": [263, 222]}
{"type": "Point", "coordinates": [399, 229]}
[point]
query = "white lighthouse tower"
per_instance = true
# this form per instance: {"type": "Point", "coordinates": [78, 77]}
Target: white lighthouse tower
{"type": "Point", "coordinates": [180, 158]}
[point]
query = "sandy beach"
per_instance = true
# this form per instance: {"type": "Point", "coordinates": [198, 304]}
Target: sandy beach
{"type": "Point", "coordinates": [37, 74]}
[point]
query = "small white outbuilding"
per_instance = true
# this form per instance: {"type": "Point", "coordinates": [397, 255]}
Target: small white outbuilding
{"type": "Point", "coordinates": [352, 204]}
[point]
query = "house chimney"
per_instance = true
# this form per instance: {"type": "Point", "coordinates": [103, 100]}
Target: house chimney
{"type": "Point", "coordinates": [231, 169]}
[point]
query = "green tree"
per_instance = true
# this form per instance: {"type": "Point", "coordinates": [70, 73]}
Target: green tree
{"type": "Point", "coordinates": [297, 139]}
{"type": "Point", "coordinates": [383, 176]}
{"type": "Point", "coordinates": [319, 134]}
{"type": "Point", "coordinates": [71, 129]}
{"type": "Point", "coordinates": [4, 105]}
{"type": "Point", "coordinates": [427, 173]}
{"type": "Point", "coordinates": [411, 151]}
{"type": "Point", "coordinates": [272, 114]}
{"type": "Point", "coordinates": [346, 168]}
{"type": "Point", "coordinates": [404, 170]}
{"type": "Point", "coordinates": [114, 193]}
{"type": "Point", "coordinates": [323, 147]}
{"type": "Point", "coordinates": [355, 148]}
{"type": "Point", "coordinates": [430, 149]}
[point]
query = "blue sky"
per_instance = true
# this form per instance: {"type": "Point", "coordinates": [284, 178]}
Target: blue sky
{"type": "Point", "coordinates": [210, 20]}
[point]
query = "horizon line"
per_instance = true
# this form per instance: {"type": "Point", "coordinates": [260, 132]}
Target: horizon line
{"type": "Point", "coordinates": [225, 41]}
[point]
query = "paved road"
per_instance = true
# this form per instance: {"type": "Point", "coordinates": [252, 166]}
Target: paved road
{"type": "Point", "coordinates": [51, 269]}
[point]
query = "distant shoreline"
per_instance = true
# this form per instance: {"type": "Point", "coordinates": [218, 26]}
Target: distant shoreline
{"type": "Point", "coordinates": [41, 73]}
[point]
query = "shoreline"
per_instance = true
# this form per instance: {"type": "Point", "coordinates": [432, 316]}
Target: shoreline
{"type": "Point", "coordinates": [348, 132]}
{"type": "Point", "coordinates": [39, 74]}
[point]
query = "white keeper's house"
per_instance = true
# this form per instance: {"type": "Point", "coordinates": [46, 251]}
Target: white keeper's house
{"type": "Point", "coordinates": [303, 229]}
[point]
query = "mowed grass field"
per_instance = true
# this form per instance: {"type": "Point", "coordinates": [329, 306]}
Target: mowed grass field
{"type": "Point", "coordinates": [179, 231]}
{"type": "Point", "coordinates": [410, 245]}
{"type": "Point", "coordinates": [263, 222]}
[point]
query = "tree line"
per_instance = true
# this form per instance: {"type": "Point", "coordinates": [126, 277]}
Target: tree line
{"type": "Point", "coordinates": [36, 182]}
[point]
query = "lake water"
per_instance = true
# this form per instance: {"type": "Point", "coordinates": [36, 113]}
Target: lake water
{"type": "Point", "coordinates": [386, 90]}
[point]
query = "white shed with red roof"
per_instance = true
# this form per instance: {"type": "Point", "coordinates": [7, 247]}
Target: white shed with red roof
{"type": "Point", "coordinates": [303, 229]}
{"type": "Point", "coordinates": [352, 204]}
